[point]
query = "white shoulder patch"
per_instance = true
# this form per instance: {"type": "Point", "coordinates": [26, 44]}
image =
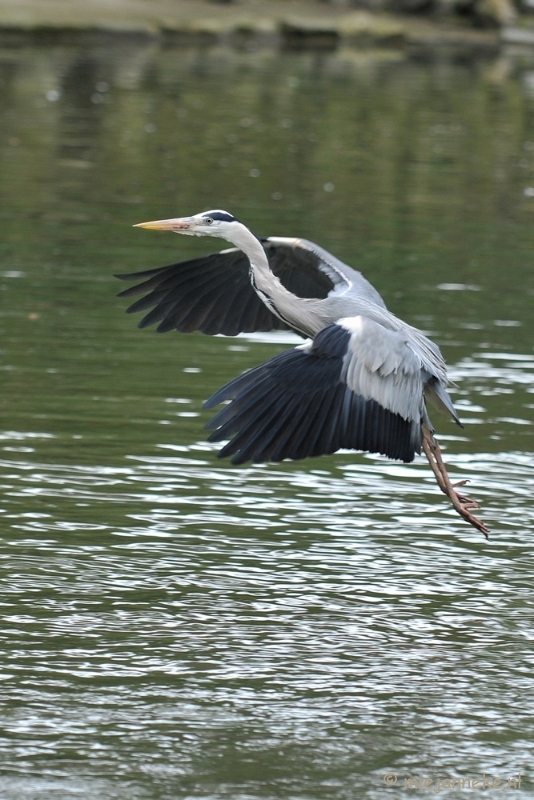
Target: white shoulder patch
{"type": "Point", "coordinates": [353, 325]}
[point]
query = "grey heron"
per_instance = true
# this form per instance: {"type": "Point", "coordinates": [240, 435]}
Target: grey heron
{"type": "Point", "coordinates": [360, 380]}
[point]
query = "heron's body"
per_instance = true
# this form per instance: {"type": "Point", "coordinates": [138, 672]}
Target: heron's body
{"type": "Point", "coordinates": [359, 381]}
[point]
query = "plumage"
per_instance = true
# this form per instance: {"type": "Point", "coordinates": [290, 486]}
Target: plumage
{"type": "Point", "coordinates": [264, 412]}
{"type": "Point", "coordinates": [220, 282]}
{"type": "Point", "coordinates": [359, 381]}
{"type": "Point", "coordinates": [210, 285]}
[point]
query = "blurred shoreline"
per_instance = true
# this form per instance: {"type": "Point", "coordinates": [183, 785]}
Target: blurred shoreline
{"type": "Point", "coordinates": [250, 24]}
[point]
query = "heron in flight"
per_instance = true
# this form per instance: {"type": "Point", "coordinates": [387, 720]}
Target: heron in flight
{"type": "Point", "coordinates": [361, 379]}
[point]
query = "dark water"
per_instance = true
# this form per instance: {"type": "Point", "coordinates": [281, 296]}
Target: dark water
{"type": "Point", "coordinates": [176, 627]}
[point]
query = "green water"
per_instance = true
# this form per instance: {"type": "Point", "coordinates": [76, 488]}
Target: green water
{"type": "Point", "coordinates": [177, 627]}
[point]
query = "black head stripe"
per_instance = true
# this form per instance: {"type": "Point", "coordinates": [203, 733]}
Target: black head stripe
{"type": "Point", "coordinates": [222, 216]}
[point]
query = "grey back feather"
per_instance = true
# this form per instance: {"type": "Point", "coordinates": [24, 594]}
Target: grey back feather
{"type": "Point", "coordinates": [380, 365]}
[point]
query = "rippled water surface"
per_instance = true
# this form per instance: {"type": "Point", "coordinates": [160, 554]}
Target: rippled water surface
{"type": "Point", "coordinates": [177, 627]}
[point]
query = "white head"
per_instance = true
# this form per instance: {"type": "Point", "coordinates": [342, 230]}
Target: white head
{"type": "Point", "coordinates": [215, 223]}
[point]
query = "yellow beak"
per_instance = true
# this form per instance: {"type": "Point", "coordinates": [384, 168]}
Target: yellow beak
{"type": "Point", "coordinates": [183, 224]}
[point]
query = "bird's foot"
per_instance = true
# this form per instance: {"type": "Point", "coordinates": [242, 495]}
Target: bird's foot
{"type": "Point", "coordinates": [467, 502]}
{"type": "Point", "coordinates": [460, 503]}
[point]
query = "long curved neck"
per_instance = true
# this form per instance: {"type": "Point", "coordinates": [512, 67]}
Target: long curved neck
{"type": "Point", "coordinates": [290, 308]}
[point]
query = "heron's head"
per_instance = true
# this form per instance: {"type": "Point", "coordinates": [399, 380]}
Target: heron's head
{"type": "Point", "coordinates": [216, 223]}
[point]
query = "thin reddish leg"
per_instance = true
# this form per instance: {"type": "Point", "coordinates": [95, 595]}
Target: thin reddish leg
{"type": "Point", "coordinates": [461, 504]}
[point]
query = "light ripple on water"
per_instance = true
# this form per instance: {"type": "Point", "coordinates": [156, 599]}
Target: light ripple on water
{"type": "Point", "coordinates": [181, 609]}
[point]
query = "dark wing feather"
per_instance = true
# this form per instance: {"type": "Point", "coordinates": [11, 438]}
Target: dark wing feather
{"type": "Point", "coordinates": [308, 270]}
{"type": "Point", "coordinates": [298, 404]}
{"type": "Point", "coordinates": [298, 268]}
{"type": "Point", "coordinates": [213, 293]}
{"type": "Point", "coordinates": [198, 294]}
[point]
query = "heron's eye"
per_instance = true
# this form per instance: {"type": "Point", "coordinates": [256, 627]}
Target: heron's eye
{"type": "Point", "coordinates": [208, 220]}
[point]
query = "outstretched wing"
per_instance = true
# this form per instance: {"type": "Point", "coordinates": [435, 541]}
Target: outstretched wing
{"type": "Point", "coordinates": [357, 386]}
{"type": "Point", "coordinates": [213, 293]}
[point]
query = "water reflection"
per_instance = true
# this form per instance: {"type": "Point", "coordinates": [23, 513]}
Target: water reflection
{"type": "Point", "coordinates": [175, 626]}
